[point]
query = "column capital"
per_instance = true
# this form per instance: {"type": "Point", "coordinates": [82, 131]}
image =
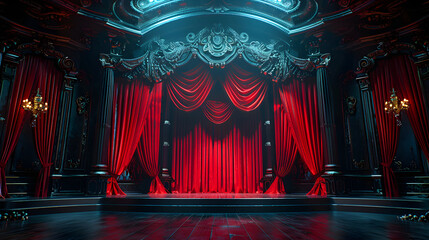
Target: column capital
{"type": "Point", "coordinates": [365, 65]}
{"type": "Point", "coordinates": [363, 81]}
{"type": "Point", "coordinates": [321, 60]}
{"type": "Point", "coordinates": [109, 60]}
{"type": "Point", "coordinates": [7, 44]}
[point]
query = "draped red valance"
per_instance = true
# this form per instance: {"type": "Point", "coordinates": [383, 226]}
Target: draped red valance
{"type": "Point", "coordinates": [189, 89]}
{"type": "Point", "coordinates": [217, 112]}
{"type": "Point", "coordinates": [245, 89]}
{"type": "Point", "coordinates": [300, 102]}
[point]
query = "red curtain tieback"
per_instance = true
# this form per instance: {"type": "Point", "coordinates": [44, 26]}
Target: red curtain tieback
{"type": "Point", "coordinates": [112, 175]}
{"type": "Point", "coordinates": [386, 165]}
{"type": "Point", "coordinates": [46, 165]}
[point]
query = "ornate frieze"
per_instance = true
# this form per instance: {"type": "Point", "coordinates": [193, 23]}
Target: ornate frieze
{"type": "Point", "coordinates": [216, 46]}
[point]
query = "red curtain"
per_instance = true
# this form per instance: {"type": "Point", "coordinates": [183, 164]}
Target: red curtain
{"type": "Point", "coordinates": [286, 149]}
{"type": "Point", "coordinates": [407, 81]}
{"type": "Point", "coordinates": [148, 147]}
{"type": "Point", "coordinates": [44, 132]}
{"type": "Point", "coordinates": [188, 90]}
{"type": "Point", "coordinates": [130, 104]}
{"type": "Point", "coordinates": [300, 102]}
{"type": "Point", "coordinates": [26, 77]}
{"type": "Point", "coordinates": [217, 112]}
{"type": "Point", "coordinates": [217, 158]}
{"type": "Point", "coordinates": [384, 77]}
{"type": "Point", "coordinates": [245, 89]}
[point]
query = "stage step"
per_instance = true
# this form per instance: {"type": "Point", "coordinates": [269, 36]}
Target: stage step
{"type": "Point", "coordinates": [169, 204]}
{"type": "Point", "coordinates": [415, 186]}
{"type": "Point", "coordinates": [216, 205]}
{"type": "Point", "coordinates": [36, 206]}
{"type": "Point", "coordinates": [19, 187]}
{"type": "Point", "coordinates": [380, 205]}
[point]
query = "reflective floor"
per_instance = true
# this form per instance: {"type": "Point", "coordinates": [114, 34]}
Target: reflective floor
{"type": "Point", "coordinates": [313, 225]}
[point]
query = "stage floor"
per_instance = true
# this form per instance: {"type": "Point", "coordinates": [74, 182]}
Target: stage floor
{"type": "Point", "coordinates": [296, 226]}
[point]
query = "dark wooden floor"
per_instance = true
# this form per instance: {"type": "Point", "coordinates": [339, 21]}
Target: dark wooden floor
{"type": "Point", "coordinates": [314, 225]}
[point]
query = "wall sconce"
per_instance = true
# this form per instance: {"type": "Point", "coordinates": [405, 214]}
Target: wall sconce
{"type": "Point", "coordinates": [36, 106]}
{"type": "Point", "coordinates": [396, 106]}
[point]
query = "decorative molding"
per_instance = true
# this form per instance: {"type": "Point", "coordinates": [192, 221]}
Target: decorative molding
{"type": "Point", "coordinates": [108, 60]}
{"type": "Point", "coordinates": [217, 6]}
{"type": "Point", "coordinates": [141, 16]}
{"type": "Point", "coordinates": [321, 60]}
{"type": "Point", "coordinates": [46, 49]}
{"type": "Point", "coordinates": [384, 49]}
{"type": "Point", "coordinates": [82, 103]}
{"type": "Point", "coordinates": [217, 46]}
{"type": "Point", "coordinates": [365, 64]}
{"type": "Point", "coordinates": [351, 105]}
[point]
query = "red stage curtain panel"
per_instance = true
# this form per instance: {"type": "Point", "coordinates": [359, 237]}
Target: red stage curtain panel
{"type": "Point", "coordinates": [382, 81]}
{"type": "Point", "coordinates": [212, 158]}
{"type": "Point", "coordinates": [300, 103]}
{"type": "Point", "coordinates": [188, 90]}
{"type": "Point", "coordinates": [286, 149]}
{"type": "Point", "coordinates": [217, 112]}
{"type": "Point", "coordinates": [25, 80]}
{"type": "Point", "coordinates": [408, 85]}
{"type": "Point", "coordinates": [130, 104]}
{"type": "Point", "coordinates": [148, 147]}
{"type": "Point", "coordinates": [245, 89]}
{"type": "Point", "coordinates": [50, 82]}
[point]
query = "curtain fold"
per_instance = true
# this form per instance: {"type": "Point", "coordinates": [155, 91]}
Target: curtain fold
{"type": "Point", "coordinates": [50, 82]}
{"type": "Point", "coordinates": [223, 158]}
{"type": "Point", "coordinates": [407, 81]}
{"type": "Point", "coordinates": [383, 79]}
{"type": "Point", "coordinates": [188, 90]}
{"type": "Point", "coordinates": [217, 112]}
{"type": "Point", "coordinates": [148, 146]}
{"type": "Point", "coordinates": [130, 105]}
{"type": "Point", "coordinates": [285, 146]}
{"type": "Point", "coordinates": [245, 89]}
{"type": "Point", "coordinates": [25, 80]}
{"type": "Point", "coordinates": [300, 104]}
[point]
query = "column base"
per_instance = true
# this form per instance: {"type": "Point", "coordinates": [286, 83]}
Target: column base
{"type": "Point", "coordinates": [335, 184]}
{"type": "Point", "coordinates": [97, 180]}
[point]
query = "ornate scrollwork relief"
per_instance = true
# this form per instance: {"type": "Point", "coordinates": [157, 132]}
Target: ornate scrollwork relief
{"type": "Point", "coordinates": [365, 64]}
{"type": "Point", "coordinates": [351, 105]}
{"type": "Point", "coordinates": [82, 103]}
{"type": "Point", "coordinates": [41, 47]}
{"type": "Point", "coordinates": [216, 46]}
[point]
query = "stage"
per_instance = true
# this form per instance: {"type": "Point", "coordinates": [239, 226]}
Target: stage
{"type": "Point", "coordinates": [216, 203]}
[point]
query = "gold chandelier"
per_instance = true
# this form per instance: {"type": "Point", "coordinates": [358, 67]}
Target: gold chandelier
{"type": "Point", "coordinates": [395, 106]}
{"type": "Point", "coordinates": [36, 106]}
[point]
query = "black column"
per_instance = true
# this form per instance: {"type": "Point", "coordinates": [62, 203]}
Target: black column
{"type": "Point", "coordinates": [332, 174]}
{"type": "Point", "coordinates": [64, 120]}
{"type": "Point", "coordinates": [105, 106]}
{"type": "Point", "coordinates": [326, 109]}
{"type": "Point", "coordinates": [98, 176]}
{"type": "Point", "coordinates": [369, 121]}
{"type": "Point", "coordinates": [364, 66]}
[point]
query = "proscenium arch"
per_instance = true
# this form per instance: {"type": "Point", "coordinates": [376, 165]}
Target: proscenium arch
{"type": "Point", "coordinates": [140, 17]}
